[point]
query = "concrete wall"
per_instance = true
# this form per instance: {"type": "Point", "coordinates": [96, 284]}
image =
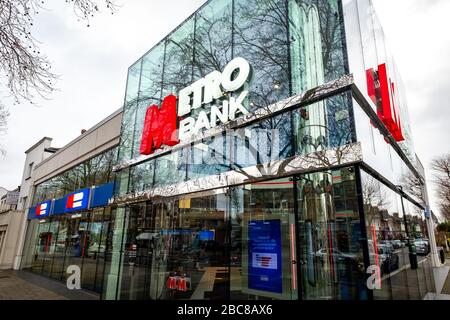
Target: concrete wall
{"type": "Point", "coordinates": [17, 228]}
{"type": "Point", "coordinates": [10, 221]}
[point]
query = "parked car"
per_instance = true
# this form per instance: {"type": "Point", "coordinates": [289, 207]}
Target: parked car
{"type": "Point", "coordinates": [398, 244]}
{"type": "Point", "coordinates": [391, 262]}
{"type": "Point", "coordinates": [388, 244]}
{"type": "Point", "coordinates": [388, 260]}
{"type": "Point", "coordinates": [422, 247]}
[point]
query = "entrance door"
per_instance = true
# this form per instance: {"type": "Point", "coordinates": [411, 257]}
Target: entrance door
{"type": "Point", "coordinates": [190, 258]}
{"type": "Point", "coordinates": [263, 250]}
{"type": "Point", "coordinates": [329, 229]}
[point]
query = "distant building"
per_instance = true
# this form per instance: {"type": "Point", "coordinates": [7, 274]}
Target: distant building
{"type": "Point", "coordinates": [9, 226]}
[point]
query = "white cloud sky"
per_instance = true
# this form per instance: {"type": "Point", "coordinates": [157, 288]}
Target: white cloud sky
{"type": "Point", "coordinates": [93, 65]}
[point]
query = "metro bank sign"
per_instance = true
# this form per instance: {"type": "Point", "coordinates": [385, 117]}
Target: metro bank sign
{"type": "Point", "coordinates": [169, 125]}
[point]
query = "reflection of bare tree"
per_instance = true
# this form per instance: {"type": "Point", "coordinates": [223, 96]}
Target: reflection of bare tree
{"type": "Point", "coordinates": [413, 186]}
{"type": "Point", "coordinates": [441, 169]}
{"type": "Point", "coordinates": [260, 35]}
{"type": "Point", "coordinates": [95, 171]}
{"type": "Point", "coordinates": [4, 114]}
{"type": "Point", "coordinates": [376, 199]}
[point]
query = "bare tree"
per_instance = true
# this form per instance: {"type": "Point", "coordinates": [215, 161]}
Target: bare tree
{"type": "Point", "coordinates": [23, 67]}
{"type": "Point", "coordinates": [3, 120]}
{"type": "Point", "coordinates": [441, 168]}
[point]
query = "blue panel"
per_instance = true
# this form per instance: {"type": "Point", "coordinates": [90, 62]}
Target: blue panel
{"type": "Point", "coordinates": [101, 195]}
{"type": "Point", "coordinates": [77, 201]}
{"type": "Point", "coordinates": [264, 256]}
{"type": "Point", "coordinates": [206, 236]}
{"type": "Point", "coordinates": [59, 206]}
{"type": "Point", "coordinates": [32, 213]}
{"type": "Point", "coordinates": [42, 209]}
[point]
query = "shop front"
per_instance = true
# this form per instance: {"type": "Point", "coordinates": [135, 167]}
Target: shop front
{"type": "Point", "coordinates": [241, 243]}
{"type": "Point", "coordinates": [254, 163]}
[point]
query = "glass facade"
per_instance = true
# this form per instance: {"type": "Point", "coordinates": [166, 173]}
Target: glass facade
{"type": "Point", "coordinates": [393, 224]}
{"type": "Point", "coordinates": [241, 242]}
{"type": "Point", "coordinates": [59, 241]}
{"type": "Point", "coordinates": [283, 49]}
{"type": "Point", "coordinates": [312, 230]}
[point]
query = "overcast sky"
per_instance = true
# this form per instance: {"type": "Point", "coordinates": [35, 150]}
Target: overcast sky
{"type": "Point", "coordinates": [93, 63]}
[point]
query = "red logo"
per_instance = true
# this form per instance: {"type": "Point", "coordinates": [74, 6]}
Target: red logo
{"type": "Point", "coordinates": [179, 283]}
{"type": "Point", "coordinates": [382, 92]}
{"type": "Point", "coordinates": [160, 126]}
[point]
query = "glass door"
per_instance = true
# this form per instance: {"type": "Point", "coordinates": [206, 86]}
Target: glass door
{"type": "Point", "coordinates": [331, 257]}
{"type": "Point", "coordinates": [263, 245]}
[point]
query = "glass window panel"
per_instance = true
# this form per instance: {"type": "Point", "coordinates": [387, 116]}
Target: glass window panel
{"type": "Point", "coordinates": [150, 90]}
{"type": "Point", "coordinates": [316, 44]}
{"type": "Point", "coordinates": [101, 257]}
{"type": "Point", "coordinates": [324, 125]}
{"type": "Point", "coordinates": [42, 246]}
{"type": "Point", "coordinates": [260, 36]}
{"type": "Point", "coordinates": [179, 58]}
{"type": "Point", "coordinates": [210, 157]}
{"type": "Point", "coordinates": [171, 168]}
{"type": "Point", "coordinates": [92, 250]}
{"type": "Point", "coordinates": [134, 74]}
{"type": "Point", "coordinates": [127, 133]}
{"type": "Point", "coordinates": [263, 241]}
{"type": "Point", "coordinates": [62, 239]}
{"type": "Point", "coordinates": [330, 232]}
{"type": "Point", "coordinates": [52, 234]}
{"type": "Point", "coordinates": [264, 142]}
{"type": "Point", "coordinates": [141, 176]}
{"type": "Point", "coordinates": [213, 37]}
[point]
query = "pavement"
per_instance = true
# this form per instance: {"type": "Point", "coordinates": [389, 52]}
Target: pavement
{"type": "Point", "coordinates": [442, 280]}
{"type": "Point", "coordinates": [13, 287]}
{"type": "Point", "coordinates": [23, 285]}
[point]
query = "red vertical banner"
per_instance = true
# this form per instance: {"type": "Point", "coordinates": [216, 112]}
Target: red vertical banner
{"type": "Point", "coordinates": [381, 90]}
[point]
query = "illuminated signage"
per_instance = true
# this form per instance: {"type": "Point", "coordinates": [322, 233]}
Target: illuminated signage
{"type": "Point", "coordinates": [43, 209]}
{"type": "Point", "coordinates": [160, 124]}
{"type": "Point", "coordinates": [77, 201]}
{"type": "Point", "coordinates": [382, 91]}
{"type": "Point", "coordinates": [264, 256]}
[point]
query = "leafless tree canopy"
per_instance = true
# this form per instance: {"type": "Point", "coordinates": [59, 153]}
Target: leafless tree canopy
{"type": "Point", "coordinates": [23, 68]}
{"type": "Point", "coordinates": [3, 117]}
{"type": "Point", "coordinates": [441, 168]}
{"type": "Point", "coordinates": [412, 185]}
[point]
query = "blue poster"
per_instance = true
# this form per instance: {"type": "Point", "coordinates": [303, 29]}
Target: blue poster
{"type": "Point", "coordinates": [264, 256]}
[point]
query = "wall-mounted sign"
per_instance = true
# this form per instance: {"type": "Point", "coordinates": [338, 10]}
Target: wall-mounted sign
{"type": "Point", "coordinates": [77, 201]}
{"type": "Point", "coordinates": [101, 195]}
{"type": "Point", "coordinates": [382, 91]}
{"type": "Point", "coordinates": [12, 197]}
{"type": "Point", "coordinates": [160, 124]}
{"type": "Point", "coordinates": [264, 256]}
{"type": "Point", "coordinates": [43, 209]}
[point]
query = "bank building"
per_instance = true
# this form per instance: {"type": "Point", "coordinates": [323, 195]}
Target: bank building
{"type": "Point", "coordinates": [263, 151]}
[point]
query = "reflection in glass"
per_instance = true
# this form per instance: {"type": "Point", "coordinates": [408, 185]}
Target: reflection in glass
{"type": "Point", "coordinates": [263, 241]}
{"type": "Point", "coordinates": [330, 232]}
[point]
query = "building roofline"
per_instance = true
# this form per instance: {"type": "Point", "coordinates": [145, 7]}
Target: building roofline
{"type": "Point", "coordinates": [38, 143]}
{"type": "Point", "coordinates": [96, 126]}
